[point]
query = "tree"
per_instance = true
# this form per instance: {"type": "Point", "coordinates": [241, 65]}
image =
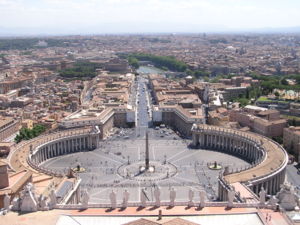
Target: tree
{"type": "Point", "coordinates": [81, 70]}
{"type": "Point", "coordinates": [206, 79]}
{"type": "Point", "coordinates": [294, 123]}
{"type": "Point", "coordinates": [278, 139]}
{"type": "Point", "coordinates": [134, 62]}
{"type": "Point", "coordinates": [169, 62]}
{"type": "Point", "coordinates": [292, 147]}
{"type": "Point", "coordinates": [243, 101]}
{"type": "Point", "coordinates": [189, 72]}
{"type": "Point", "coordinates": [27, 134]}
{"type": "Point", "coordinates": [247, 93]}
{"type": "Point", "coordinates": [284, 82]}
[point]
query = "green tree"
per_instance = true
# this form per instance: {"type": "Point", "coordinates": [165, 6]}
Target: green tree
{"type": "Point", "coordinates": [27, 134]}
{"type": "Point", "coordinates": [169, 62]}
{"type": "Point", "coordinates": [284, 82]}
{"type": "Point", "coordinates": [133, 62]}
{"type": "Point", "coordinates": [206, 79]}
{"type": "Point", "coordinates": [80, 70]}
{"type": "Point", "coordinates": [278, 139]}
{"type": "Point", "coordinates": [243, 101]}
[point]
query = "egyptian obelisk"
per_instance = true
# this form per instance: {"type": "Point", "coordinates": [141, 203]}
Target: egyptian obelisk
{"type": "Point", "coordinates": [147, 153]}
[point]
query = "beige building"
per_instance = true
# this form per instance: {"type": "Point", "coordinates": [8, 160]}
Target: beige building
{"type": "Point", "coordinates": [295, 109]}
{"type": "Point", "coordinates": [267, 122]}
{"type": "Point", "coordinates": [291, 141]}
{"type": "Point", "coordinates": [8, 126]}
{"type": "Point", "coordinates": [179, 118]}
{"type": "Point", "coordinates": [7, 85]}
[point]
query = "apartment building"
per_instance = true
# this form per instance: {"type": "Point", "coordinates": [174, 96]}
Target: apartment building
{"type": "Point", "coordinates": [267, 122]}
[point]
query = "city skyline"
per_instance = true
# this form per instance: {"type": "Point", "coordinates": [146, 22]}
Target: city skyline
{"type": "Point", "coordinates": [52, 17]}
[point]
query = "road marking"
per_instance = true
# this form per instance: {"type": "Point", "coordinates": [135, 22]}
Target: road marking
{"type": "Point", "coordinates": [139, 152]}
{"type": "Point", "coordinates": [187, 180]}
{"type": "Point", "coordinates": [107, 158]}
{"type": "Point", "coordinates": [153, 153]}
{"type": "Point", "coordinates": [139, 197]}
{"type": "Point", "coordinates": [185, 156]}
{"type": "Point", "coordinates": [113, 186]}
{"type": "Point", "coordinates": [176, 154]}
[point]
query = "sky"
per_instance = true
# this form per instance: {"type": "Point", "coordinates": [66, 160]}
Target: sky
{"type": "Point", "coordinates": [138, 16]}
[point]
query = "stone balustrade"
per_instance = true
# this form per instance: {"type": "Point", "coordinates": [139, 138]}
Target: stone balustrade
{"type": "Point", "coordinates": [163, 203]}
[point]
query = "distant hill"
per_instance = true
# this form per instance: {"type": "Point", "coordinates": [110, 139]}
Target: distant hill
{"type": "Point", "coordinates": [138, 28]}
{"type": "Point", "coordinates": [277, 30]}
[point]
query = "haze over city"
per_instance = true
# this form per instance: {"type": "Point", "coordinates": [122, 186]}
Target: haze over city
{"type": "Point", "coordinates": [157, 112]}
{"type": "Point", "coordinates": [36, 17]}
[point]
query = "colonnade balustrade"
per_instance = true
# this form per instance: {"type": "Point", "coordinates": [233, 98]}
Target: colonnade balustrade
{"type": "Point", "coordinates": [63, 143]}
{"type": "Point", "coordinates": [230, 142]}
{"type": "Point", "coordinates": [268, 159]}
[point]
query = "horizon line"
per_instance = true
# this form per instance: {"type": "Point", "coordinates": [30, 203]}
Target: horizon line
{"type": "Point", "coordinates": [18, 35]}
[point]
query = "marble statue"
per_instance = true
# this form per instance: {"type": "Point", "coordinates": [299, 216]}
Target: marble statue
{"type": "Point", "coordinates": [231, 195]}
{"type": "Point", "coordinates": [202, 199]}
{"type": "Point", "coordinates": [53, 200]}
{"type": "Point", "coordinates": [226, 170]}
{"type": "Point", "coordinates": [194, 126]}
{"type": "Point", "coordinates": [172, 197]}
{"type": "Point", "coordinates": [43, 203]}
{"type": "Point", "coordinates": [125, 198]}
{"type": "Point", "coordinates": [6, 202]}
{"type": "Point", "coordinates": [191, 197]}
{"type": "Point", "coordinates": [262, 196]}
{"type": "Point", "coordinates": [287, 197]}
{"type": "Point", "coordinates": [85, 199]}
{"type": "Point", "coordinates": [157, 196]}
{"type": "Point", "coordinates": [28, 201]}
{"type": "Point", "coordinates": [143, 196]}
{"type": "Point", "coordinates": [16, 204]}
{"type": "Point", "coordinates": [113, 199]}
{"type": "Point", "coordinates": [273, 202]}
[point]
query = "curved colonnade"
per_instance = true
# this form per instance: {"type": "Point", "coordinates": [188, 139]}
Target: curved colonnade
{"type": "Point", "coordinates": [268, 159]}
{"type": "Point", "coordinates": [64, 143]}
{"type": "Point", "coordinates": [30, 154]}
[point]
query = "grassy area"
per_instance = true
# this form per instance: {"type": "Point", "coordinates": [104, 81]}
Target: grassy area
{"type": "Point", "coordinates": [292, 120]}
{"type": "Point", "coordinates": [289, 117]}
{"type": "Point", "coordinates": [265, 99]}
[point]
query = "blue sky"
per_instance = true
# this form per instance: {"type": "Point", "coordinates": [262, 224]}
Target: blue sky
{"type": "Point", "coordinates": [113, 16]}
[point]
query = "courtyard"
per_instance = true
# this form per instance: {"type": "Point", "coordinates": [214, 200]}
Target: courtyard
{"type": "Point", "coordinates": [177, 166]}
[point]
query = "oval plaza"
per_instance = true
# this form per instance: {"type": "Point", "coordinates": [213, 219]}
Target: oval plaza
{"type": "Point", "coordinates": [150, 156]}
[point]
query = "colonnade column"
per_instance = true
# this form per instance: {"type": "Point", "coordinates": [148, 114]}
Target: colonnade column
{"type": "Point", "coordinates": [195, 139]}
